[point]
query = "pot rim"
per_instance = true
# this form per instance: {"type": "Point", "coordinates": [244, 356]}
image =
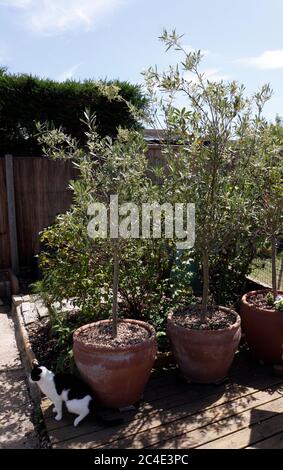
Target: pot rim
{"type": "Point", "coordinates": [245, 302]}
{"type": "Point", "coordinates": [205, 332]}
{"type": "Point", "coordinates": [106, 348]}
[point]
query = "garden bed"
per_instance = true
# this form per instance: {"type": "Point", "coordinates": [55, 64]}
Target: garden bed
{"type": "Point", "coordinates": [42, 343]}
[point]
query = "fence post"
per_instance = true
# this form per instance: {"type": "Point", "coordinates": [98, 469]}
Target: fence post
{"type": "Point", "coordinates": [12, 212]}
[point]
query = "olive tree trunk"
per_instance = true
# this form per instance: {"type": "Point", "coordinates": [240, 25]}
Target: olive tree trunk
{"type": "Point", "coordinates": [274, 274]}
{"type": "Point", "coordinates": [205, 289]}
{"type": "Point", "coordinates": [115, 291]}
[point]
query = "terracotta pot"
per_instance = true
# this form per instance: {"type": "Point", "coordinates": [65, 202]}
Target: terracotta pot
{"type": "Point", "coordinates": [204, 356]}
{"type": "Point", "coordinates": [263, 329]}
{"type": "Point", "coordinates": [116, 375]}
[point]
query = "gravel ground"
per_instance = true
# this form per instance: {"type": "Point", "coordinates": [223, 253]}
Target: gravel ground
{"type": "Point", "coordinates": [17, 430]}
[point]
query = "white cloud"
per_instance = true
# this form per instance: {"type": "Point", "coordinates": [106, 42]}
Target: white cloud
{"type": "Point", "coordinates": [189, 48]}
{"type": "Point", "coordinates": [213, 75]}
{"type": "Point", "coordinates": [49, 17]}
{"type": "Point", "coordinates": [271, 59]}
{"type": "Point", "coordinates": [67, 74]}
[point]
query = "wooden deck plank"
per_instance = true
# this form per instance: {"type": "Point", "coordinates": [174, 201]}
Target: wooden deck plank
{"type": "Point", "coordinates": [147, 410]}
{"type": "Point", "coordinates": [193, 414]}
{"type": "Point", "coordinates": [146, 407]}
{"type": "Point", "coordinates": [175, 414]}
{"type": "Point", "coordinates": [182, 394]}
{"type": "Point", "coordinates": [178, 393]}
{"type": "Point", "coordinates": [273, 442]}
{"type": "Point", "coordinates": [181, 432]}
{"type": "Point", "coordinates": [166, 383]}
{"type": "Point", "coordinates": [262, 425]}
{"type": "Point", "coordinates": [210, 435]}
{"type": "Point", "coordinates": [169, 388]}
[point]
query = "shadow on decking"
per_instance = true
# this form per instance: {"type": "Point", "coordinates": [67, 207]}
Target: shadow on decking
{"type": "Point", "coordinates": [266, 431]}
{"type": "Point", "coordinates": [176, 413]}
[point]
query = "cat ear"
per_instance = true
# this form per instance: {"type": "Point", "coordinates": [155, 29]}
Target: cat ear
{"type": "Point", "coordinates": [35, 363]}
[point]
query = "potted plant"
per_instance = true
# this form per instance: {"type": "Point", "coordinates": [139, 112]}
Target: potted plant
{"type": "Point", "coordinates": [262, 310]}
{"type": "Point", "coordinates": [215, 137]}
{"type": "Point", "coordinates": [114, 356]}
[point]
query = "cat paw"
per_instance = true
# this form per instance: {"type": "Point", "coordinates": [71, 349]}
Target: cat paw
{"type": "Point", "coordinates": [76, 422]}
{"type": "Point", "coordinates": [54, 409]}
{"type": "Point", "coordinates": [58, 417]}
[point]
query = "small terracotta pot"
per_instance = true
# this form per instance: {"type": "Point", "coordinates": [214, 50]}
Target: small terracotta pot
{"type": "Point", "coordinates": [116, 375]}
{"type": "Point", "coordinates": [204, 356]}
{"type": "Point", "coordinates": [263, 329]}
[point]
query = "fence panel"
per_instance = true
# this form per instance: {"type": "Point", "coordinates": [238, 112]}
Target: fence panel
{"type": "Point", "coordinates": [4, 224]}
{"type": "Point", "coordinates": [41, 192]}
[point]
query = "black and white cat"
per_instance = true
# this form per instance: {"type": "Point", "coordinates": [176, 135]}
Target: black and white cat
{"type": "Point", "coordinates": [69, 389]}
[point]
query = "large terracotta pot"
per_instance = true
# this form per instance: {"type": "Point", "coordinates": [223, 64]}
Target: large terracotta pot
{"type": "Point", "coordinates": [263, 329]}
{"type": "Point", "coordinates": [204, 356]}
{"type": "Point", "coordinates": [116, 375]}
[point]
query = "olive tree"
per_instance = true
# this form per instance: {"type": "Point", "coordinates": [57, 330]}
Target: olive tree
{"type": "Point", "coordinates": [111, 171]}
{"type": "Point", "coordinates": [211, 145]}
{"type": "Point", "coordinates": [269, 176]}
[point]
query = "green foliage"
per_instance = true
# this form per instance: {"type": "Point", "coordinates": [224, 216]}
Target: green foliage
{"type": "Point", "coordinates": [269, 174]}
{"type": "Point", "coordinates": [228, 270]}
{"type": "Point", "coordinates": [77, 267]}
{"type": "Point", "coordinates": [278, 303]}
{"type": "Point", "coordinates": [274, 302]}
{"type": "Point", "coordinates": [72, 267]}
{"type": "Point", "coordinates": [269, 299]}
{"type": "Point", "coordinates": [25, 100]}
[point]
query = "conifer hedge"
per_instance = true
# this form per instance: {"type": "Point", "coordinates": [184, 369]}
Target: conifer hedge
{"type": "Point", "coordinates": [26, 99]}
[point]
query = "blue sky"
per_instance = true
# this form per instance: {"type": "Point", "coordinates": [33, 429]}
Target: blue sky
{"type": "Point", "coordinates": [60, 39]}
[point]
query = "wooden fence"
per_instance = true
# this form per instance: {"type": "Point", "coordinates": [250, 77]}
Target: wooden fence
{"type": "Point", "coordinates": [40, 188]}
{"type": "Point", "coordinates": [40, 193]}
{"type": "Point", "coordinates": [4, 224]}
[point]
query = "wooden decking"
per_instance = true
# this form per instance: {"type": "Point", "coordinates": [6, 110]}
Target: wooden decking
{"type": "Point", "coordinates": [244, 412]}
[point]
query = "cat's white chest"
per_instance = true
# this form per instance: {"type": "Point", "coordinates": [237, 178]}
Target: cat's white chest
{"type": "Point", "coordinates": [47, 386]}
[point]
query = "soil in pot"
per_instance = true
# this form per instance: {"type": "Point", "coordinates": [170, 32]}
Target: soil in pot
{"type": "Point", "coordinates": [127, 334]}
{"type": "Point", "coordinates": [217, 319]}
{"type": "Point", "coordinates": [204, 351]}
{"type": "Point", "coordinates": [260, 299]}
{"type": "Point", "coordinates": [263, 327]}
{"type": "Point", "coordinates": [116, 369]}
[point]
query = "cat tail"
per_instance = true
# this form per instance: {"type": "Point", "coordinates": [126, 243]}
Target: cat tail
{"type": "Point", "coordinates": [103, 421]}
